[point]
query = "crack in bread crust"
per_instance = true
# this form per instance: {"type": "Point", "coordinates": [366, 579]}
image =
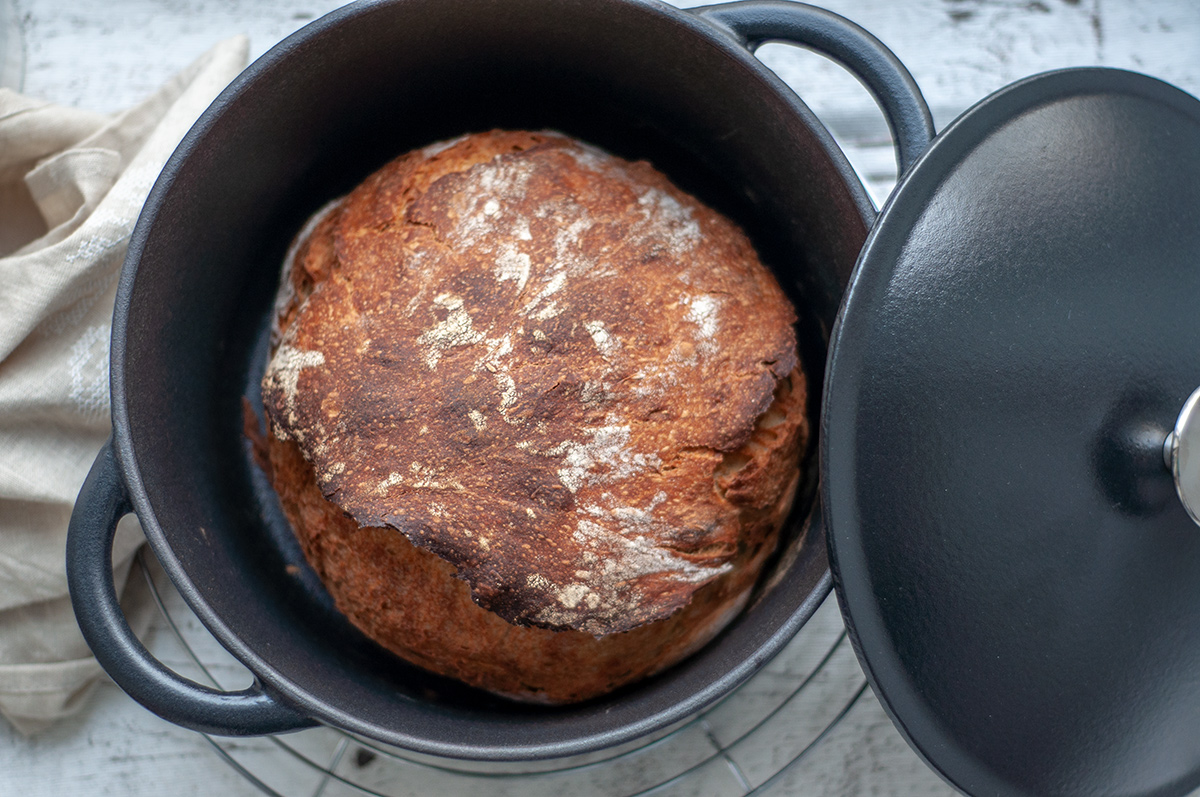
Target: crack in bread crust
{"type": "Point", "coordinates": [547, 367]}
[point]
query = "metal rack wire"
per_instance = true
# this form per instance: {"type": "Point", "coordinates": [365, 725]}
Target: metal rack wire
{"type": "Point", "coordinates": [749, 743]}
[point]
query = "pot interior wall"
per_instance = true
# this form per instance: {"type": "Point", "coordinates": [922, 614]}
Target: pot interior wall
{"type": "Point", "coordinates": [305, 125]}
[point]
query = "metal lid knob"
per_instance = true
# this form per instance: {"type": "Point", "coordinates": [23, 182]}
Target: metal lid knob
{"type": "Point", "coordinates": [1181, 451]}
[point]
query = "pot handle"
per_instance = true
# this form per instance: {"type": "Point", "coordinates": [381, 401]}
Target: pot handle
{"type": "Point", "coordinates": [756, 22]}
{"type": "Point", "coordinates": [254, 711]}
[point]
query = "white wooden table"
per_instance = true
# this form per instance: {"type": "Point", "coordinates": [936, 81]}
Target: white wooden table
{"type": "Point", "coordinates": [106, 56]}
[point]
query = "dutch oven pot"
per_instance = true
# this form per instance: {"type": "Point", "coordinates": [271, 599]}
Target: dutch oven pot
{"type": "Point", "coordinates": [1009, 454]}
{"type": "Point", "coordinates": [305, 124]}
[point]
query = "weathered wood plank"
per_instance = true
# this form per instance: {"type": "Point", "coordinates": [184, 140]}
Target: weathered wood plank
{"type": "Point", "coordinates": [107, 56]}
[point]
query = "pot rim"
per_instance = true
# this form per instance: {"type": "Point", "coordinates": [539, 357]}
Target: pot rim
{"type": "Point", "coordinates": [704, 30]}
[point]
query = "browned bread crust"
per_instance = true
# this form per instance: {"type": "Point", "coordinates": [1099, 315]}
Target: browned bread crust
{"type": "Point", "coordinates": [535, 414]}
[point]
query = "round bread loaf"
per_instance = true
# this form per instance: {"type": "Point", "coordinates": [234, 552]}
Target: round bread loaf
{"type": "Point", "coordinates": [534, 413]}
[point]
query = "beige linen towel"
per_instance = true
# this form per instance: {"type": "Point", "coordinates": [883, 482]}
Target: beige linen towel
{"type": "Point", "coordinates": [71, 186]}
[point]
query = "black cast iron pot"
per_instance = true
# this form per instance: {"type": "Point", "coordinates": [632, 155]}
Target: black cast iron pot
{"type": "Point", "coordinates": [305, 124]}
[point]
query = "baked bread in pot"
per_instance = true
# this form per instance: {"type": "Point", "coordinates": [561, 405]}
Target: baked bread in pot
{"type": "Point", "coordinates": [306, 124]}
{"type": "Point", "coordinates": [535, 414]}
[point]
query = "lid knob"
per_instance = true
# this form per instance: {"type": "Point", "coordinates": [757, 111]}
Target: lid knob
{"type": "Point", "coordinates": [1181, 451]}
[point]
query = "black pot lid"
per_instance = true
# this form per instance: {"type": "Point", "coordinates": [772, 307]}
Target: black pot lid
{"type": "Point", "coordinates": [1017, 569]}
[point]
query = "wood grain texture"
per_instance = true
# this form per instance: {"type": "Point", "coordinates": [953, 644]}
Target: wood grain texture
{"type": "Point", "coordinates": [12, 47]}
{"type": "Point", "coordinates": [107, 56]}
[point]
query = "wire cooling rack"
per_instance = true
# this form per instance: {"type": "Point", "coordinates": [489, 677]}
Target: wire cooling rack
{"type": "Point", "coordinates": [806, 724]}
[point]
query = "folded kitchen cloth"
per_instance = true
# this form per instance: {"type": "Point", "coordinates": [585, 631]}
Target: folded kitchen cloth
{"type": "Point", "coordinates": [72, 184]}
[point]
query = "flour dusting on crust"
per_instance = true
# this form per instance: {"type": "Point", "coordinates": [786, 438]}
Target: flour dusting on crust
{"type": "Point", "coordinates": [282, 378]}
{"type": "Point", "coordinates": [535, 361]}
